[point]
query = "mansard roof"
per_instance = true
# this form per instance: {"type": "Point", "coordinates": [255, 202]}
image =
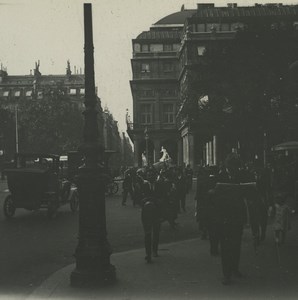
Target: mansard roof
{"type": "Point", "coordinates": [160, 35]}
{"type": "Point", "coordinates": [248, 11]}
{"type": "Point", "coordinates": [177, 18]}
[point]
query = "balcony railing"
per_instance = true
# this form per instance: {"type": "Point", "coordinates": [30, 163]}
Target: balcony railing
{"type": "Point", "coordinates": [155, 54]}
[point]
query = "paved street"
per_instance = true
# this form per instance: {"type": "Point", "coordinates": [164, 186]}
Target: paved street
{"type": "Point", "coordinates": [33, 247]}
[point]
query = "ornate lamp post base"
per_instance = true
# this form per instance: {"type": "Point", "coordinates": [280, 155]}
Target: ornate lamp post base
{"type": "Point", "coordinates": [93, 251]}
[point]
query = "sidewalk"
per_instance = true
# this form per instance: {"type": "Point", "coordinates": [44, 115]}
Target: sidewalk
{"type": "Point", "coordinates": [185, 270]}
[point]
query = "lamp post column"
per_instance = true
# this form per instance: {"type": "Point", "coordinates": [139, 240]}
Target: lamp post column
{"type": "Point", "coordinates": [146, 140]}
{"type": "Point", "coordinates": [93, 251]}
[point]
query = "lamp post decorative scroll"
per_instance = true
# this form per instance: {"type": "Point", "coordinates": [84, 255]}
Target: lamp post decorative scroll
{"type": "Point", "coordinates": [93, 251]}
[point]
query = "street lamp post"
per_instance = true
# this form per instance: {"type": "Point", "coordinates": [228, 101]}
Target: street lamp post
{"type": "Point", "coordinates": [93, 251]}
{"type": "Point", "coordinates": [2, 156]}
{"type": "Point", "coordinates": [146, 140]}
{"type": "Point", "coordinates": [17, 129]}
{"type": "Point", "coordinates": [265, 149]}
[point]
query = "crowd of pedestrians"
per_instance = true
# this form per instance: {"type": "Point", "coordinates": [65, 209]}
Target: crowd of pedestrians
{"type": "Point", "coordinates": [231, 197]}
{"type": "Point", "coordinates": [227, 198]}
{"type": "Point", "coordinates": [161, 195]}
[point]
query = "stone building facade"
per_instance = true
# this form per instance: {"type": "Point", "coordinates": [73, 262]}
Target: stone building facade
{"type": "Point", "coordinates": [154, 87]}
{"type": "Point", "coordinates": [36, 87]}
{"type": "Point", "coordinates": [188, 88]}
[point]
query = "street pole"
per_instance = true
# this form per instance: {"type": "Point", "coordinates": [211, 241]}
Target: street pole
{"type": "Point", "coordinates": [265, 149]}
{"type": "Point", "coordinates": [146, 140]}
{"type": "Point", "coordinates": [93, 251]}
{"type": "Point", "coordinates": [17, 130]}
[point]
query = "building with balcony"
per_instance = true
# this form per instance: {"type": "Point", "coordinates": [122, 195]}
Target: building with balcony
{"type": "Point", "coordinates": [154, 87]}
{"type": "Point", "coordinates": [213, 79]}
{"type": "Point", "coordinates": [14, 88]}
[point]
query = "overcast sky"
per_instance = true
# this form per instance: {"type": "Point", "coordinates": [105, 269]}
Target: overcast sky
{"type": "Point", "coordinates": [52, 31]}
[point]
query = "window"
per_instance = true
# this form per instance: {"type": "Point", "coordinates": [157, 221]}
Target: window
{"type": "Point", "coordinates": [168, 67]}
{"type": "Point", "coordinates": [82, 91]}
{"type": "Point", "coordinates": [237, 26]}
{"type": "Point", "coordinates": [168, 93]}
{"type": "Point", "coordinates": [146, 114]}
{"type": "Point", "coordinates": [201, 27]}
{"type": "Point", "coordinates": [145, 48]}
{"type": "Point", "coordinates": [145, 68]}
{"type": "Point", "coordinates": [17, 93]}
{"type": "Point", "coordinates": [72, 91]}
{"type": "Point", "coordinates": [156, 47]}
{"type": "Point", "coordinates": [28, 93]}
{"type": "Point", "coordinates": [5, 93]}
{"type": "Point", "coordinates": [225, 27]}
{"type": "Point", "coordinates": [167, 47]}
{"type": "Point", "coordinates": [146, 93]}
{"type": "Point", "coordinates": [168, 113]}
{"type": "Point", "coordinates": [201, 50]}
{"type": "Point", "coordinates": [176, 47]}
{"type": "Point", "coordinates": [212, 27]}
{"type": "Point", "coordinates": [137, 47]}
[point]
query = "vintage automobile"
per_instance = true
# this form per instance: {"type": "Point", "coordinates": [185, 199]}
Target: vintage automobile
{"type": "Point", "coordinates": [36, 181]}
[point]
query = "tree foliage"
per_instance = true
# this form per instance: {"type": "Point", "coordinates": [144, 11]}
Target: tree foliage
{"type": "Point", "coordinates": [51, 124]}
{"type": "Point", "coordinates": [7, 131]}
{"type": "Point", "coordinates": [251, 75]}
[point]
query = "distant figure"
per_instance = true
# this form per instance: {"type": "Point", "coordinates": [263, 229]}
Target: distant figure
{"type": "Point", "coordinates": [281, 222]}
{"type": "Point", "coordinates": [165, 154]}
{"type": "Point", "coordinates": [188, 175]}
{"type": "Point", "coordinates": [127, 188]}
{"type": "Point", "coordinates": [144, 160]}
{"type": "Point", "coordinates": [151, 216]}
{"type": "Point", "coordinates": [233, 163]}
{"type": "Point", "coordinates": [181, 189]}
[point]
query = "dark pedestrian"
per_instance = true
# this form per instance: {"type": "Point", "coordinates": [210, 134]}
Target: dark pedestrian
{"type": "Point", "coordinates": [231, 219]}
{"type": "Point", "coordinates": [212, 223]}
{"type": "Point", "coordinates": [203, 186]}
{"type": "Point", "coordinates": [264, 187]}
{"type": "Point", "coordinates": [127, 187]}
{"type": "Point", "coordinates": [166, 192]}
{"type": "Point", "coordinates": [137, 182]}
{"type": "Point", "coordinates": [151, 217]}
{"type": "Point", "coordinates": [223, 175]}
{"type": "Point", "coordinates": [282, 219]}
{"type": "Point", "coordinates": [212, 218]}
{"type": "Point", "coordinates": [233, 164]}
{"type": "Point", "coordinates": [256, 210]}
{"type": "Point", "coordinates": [189, 176]}
{"type": "Point", "coordinates": [181, 190]}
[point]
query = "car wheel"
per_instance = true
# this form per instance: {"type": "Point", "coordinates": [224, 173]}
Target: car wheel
{"type": "Point", "coordinates": [8, 207]}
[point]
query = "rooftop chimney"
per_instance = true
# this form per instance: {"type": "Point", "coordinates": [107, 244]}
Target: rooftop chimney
{"type": "Point", "coordinates": [232, 5]}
